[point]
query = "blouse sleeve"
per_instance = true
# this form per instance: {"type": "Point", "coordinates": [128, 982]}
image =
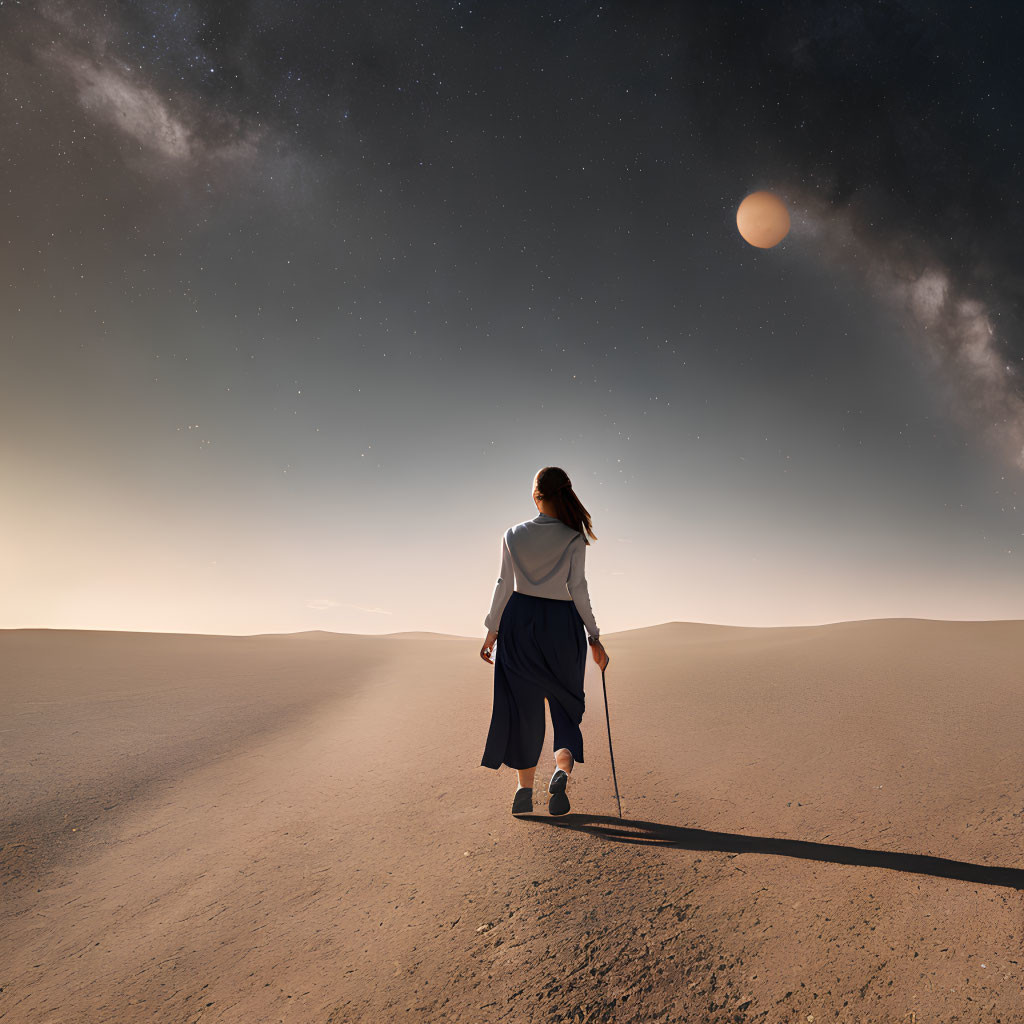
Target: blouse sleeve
{"type": "Point", "coordinates": [502, 588]}
{"type": "Point", "coordinates": [578, 589]}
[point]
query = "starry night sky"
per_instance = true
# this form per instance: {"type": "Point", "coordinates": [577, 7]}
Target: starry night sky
{"type": "Point", "coordinates": [297, 297]}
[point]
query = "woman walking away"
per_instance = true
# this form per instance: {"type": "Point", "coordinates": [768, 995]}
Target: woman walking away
{"type": "Point", "coordinates": [542, 652]}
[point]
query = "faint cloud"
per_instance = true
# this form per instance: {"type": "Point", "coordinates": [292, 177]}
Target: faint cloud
{"type": "Point", "coordinates": [183, 135]}
{"type": "Point", "coordinates": [953, 328]}
{"type": "Point", "coordinates": [956, 332]}
{"type": "Point", "coordinates": [130, 106]}
{"type": "Point", "coordinates": [927, 296]}
{"type": "Point", "coordinates": [323, 603]}
{"type": "Point", "coordinates": [363, 608]}
{"type": "Point", "coordinates": [165, 130]}
{"type": "Point", "coordinates": [75, 23]}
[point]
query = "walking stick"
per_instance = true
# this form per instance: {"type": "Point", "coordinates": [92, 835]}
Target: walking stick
{"type": "Point", "coordinates": [608, 722]}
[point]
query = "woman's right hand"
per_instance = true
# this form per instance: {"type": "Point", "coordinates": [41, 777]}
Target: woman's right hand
{"type": "Point", "coordinates": [600, 654]}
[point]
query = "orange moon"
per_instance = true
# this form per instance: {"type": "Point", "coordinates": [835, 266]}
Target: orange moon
{"type": "Point", "coordinates": [762, 219]}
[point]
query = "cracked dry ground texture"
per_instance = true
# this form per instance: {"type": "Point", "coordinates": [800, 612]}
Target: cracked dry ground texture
{"type": "Point", "coordinates": [297, 828]}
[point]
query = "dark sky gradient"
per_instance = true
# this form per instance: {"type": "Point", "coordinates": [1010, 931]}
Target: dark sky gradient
{"type": "Point", "coordinates": [297, 298]}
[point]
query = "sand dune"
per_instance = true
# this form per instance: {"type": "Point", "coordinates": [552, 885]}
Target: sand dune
{"type": "Point", "coordinates": [819, 822]}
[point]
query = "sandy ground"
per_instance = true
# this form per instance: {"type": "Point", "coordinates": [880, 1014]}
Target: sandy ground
{"type": "Point", "coordinates": [819, 824]}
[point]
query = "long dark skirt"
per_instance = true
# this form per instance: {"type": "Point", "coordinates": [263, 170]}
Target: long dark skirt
{"type": "Point", "coordinates": [541, 652]}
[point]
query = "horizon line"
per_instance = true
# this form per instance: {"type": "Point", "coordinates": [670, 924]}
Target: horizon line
{"type": "Point", "coordinates": [474, 636]}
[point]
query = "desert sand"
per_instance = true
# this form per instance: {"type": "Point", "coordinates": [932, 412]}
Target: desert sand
{"type": "Point", "coordinates": [820, 823]}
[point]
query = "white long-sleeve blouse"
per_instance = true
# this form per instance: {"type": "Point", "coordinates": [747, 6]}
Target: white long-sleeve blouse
{"type": "Point", "coordinates": [543, 556]}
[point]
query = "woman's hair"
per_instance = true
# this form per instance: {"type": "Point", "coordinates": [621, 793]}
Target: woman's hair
{"type": "Point", "coordinates": [554, 485]}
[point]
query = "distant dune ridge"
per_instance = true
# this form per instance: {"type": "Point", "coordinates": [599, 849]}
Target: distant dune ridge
{"type": "Point", "coordinates": [820, 823]}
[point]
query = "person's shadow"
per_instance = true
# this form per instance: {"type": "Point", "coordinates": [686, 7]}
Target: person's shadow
{"type": "Point", "coordinates": [651, 833]}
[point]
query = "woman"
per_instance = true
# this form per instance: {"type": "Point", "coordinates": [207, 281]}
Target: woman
{"type": "Point", "coordinates": [542, 652]}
